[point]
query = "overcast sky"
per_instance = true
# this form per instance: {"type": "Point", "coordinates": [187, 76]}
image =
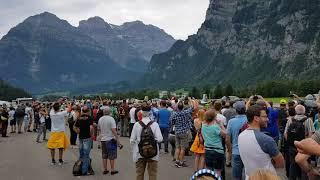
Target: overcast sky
{"type": "Point", "coordinates": [179, 18]}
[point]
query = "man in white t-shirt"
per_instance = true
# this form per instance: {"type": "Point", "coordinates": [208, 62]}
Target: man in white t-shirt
{"type": "Point", "coordinates": [107, 130]}
{"type": "Point", "coordinates": [258, 150]}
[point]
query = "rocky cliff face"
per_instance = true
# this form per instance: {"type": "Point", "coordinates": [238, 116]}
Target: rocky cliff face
{"type": "Point", "coordinates": [245, 41]}
{"type": "Point", "coordinates": [131, 45]}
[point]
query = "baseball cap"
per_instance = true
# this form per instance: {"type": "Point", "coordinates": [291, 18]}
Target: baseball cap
{"type": "Point", "coordinates": [283, 101]}
{"type": "Point", "coordinates": [239, 105]}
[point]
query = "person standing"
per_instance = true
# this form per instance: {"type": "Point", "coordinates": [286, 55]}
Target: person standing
{"type": "Point", "coordinates": [58, 138]}
{"type": "Point", "coordinates": [82, 127]}
{"type": "Point", "coordinates": [212, 134]}
{"type": "Point", "coordinates": [182, 121]}
{"type": "Point", "coordinates": [233, 130]}
{"type": "Point", "coordinates": [124, 116]}
{"type": "Point", "coordinates": [107, 130]}
{"type": "Point", "coordinates": [141, 162]}
{"type": "Point", "coordinates": [12, 120]}
{"type": "Point", "coordinates": [73, 116]}
{"type": "Point", "coordinates": [132, 118]}
{"type": "Point", "coordinates": [42, 127]}
{"type": "Point", "coordinates": [4, 116]}
{"type": "Point", "coordinates": [258, 150]}
{"type": "Point", "coordinates": [20, 113]}
{"type": "Point", "coordinates": [198, 147]}
{"type": "Point", "coordinates": [164, 124]}
{"type": "Point", "coordinates": [28, 118]}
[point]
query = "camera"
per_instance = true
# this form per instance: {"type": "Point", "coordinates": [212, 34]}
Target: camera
{"type": "Point", "coordinates": [255, 98]}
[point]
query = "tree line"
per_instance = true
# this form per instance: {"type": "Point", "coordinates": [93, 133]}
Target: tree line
{"type": "Point", "coordinates": [9, 93]}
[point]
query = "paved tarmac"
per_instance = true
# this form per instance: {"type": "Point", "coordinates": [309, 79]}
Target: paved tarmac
{"type": "Point", "coordinates": [21, 158]}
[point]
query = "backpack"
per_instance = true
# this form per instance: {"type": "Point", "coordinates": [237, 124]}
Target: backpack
{"type": "Point", "coordinates": [20, 112]}
{"type": "Point", "coordinates": [77, 168]}
{"type": "Point", "coordinates": [282, 119]}
{"type": "Point", "coordinates": [296, 131]}
{"type": "Point", "coordinates": [148, 147]}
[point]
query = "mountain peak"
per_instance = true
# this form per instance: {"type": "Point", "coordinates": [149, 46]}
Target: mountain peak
{"type": "Point", "coordinates": [95, 22]}
{"type": "Point", "coordinates": [47, 19]}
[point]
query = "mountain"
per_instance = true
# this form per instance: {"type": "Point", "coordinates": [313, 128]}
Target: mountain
{"type": "Point", "coordinates": [243, 42]}
{"type": "Point", "coordinates": [147, 39]}
{"type": "Point", "coordinates": [131, 45]}
{"type": "Point", "coordinates": [45, 53]}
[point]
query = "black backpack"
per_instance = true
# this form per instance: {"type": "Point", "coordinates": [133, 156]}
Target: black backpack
{"type": "Point", "coordinates": [282, 119]}
{"type": "Point", "coordinates": [20, 112]}
{"type": "Point", "coordinates": [296, 131]}
{"type": "Point", "coordinates": [148, 147]}
{"type": "Point", "coordinates": [77, 168]}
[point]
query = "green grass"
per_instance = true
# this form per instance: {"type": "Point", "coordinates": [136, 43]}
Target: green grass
{"type": "Point", "coordinates": [277, 99]}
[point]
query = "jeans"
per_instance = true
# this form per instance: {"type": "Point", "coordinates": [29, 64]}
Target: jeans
{"type": "Point", "coordinates": [84, 149]}
{"type": "Point", "coordinates": [124, 127]}
{"type": "Point", "coordinates": [165, 134]}
{"type": "Point", "coordinates": [26, 123]}
{"type": "Point", "coordinates": [237, 167]}
{"type": "Point", "coordinates": [42, 130]}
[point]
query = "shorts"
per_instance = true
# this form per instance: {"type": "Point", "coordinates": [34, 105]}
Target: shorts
{"type": "Point", "coordinates": [107, 152]}
{"type": "Point", "coordinates": [13, 122]}
{"type": "Point", "coordinates": [58, 140]}
{"type": "Point", "coordinates": [214, 160]}
{"type": "Point", "coordinates": [19, 120]}
{"type": "Point", "coordinates": [182, 140]}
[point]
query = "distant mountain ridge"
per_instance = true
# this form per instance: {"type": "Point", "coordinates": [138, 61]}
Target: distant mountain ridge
{"type": "Point", "coordinates": [45, 53]}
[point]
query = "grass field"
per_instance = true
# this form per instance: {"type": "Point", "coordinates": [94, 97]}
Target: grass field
{"type": "Point", "coordinates": [277, 99]}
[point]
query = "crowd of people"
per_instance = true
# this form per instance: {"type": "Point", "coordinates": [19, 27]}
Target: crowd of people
{"type": "Point", "coordinates": [251, 136]}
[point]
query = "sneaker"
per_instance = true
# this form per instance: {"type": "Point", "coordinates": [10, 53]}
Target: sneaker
{"type": "Point", "coordinates": [29, 130]}
{"type": "Point", "coordinates": [177, 164]}
{"type": "Point", "coordinates": [53, 162]}
{"type": "Point", "coordinates": [90, 173]}
{"type": "Point", "coordinates": [105, 172]}
{"type": "Point", "coordinates": [60, 162]}
{"type": "Point", "coordinates": [38, 141]}
{"type": "Point", "coordinates": [114, 172]}
{"type": "Point", "coordinates": [183, 164]}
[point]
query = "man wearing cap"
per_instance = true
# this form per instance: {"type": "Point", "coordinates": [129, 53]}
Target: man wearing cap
{"type": "Point", "coordinates": [233, 130]}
